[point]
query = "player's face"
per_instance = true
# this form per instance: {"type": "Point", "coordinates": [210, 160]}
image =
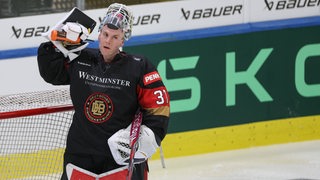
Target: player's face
{"type": "Point", "coordinates": [110, 40]}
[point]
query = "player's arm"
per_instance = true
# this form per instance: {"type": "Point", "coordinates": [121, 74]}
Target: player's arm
{"type": "Point", "coordinates": [52, 64]}
{"type": "Point", "coordinates": [64, 47]}
{"type": "Point", "coordinates": [154, 101]}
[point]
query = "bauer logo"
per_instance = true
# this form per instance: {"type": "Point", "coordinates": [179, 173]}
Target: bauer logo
{"type": "Point", "coordinates": [221, 11]}
{"type": "Point", "coordinates": [151, 77]}
{"type": "Point", "coordinates": [292, 4]}
{"type": "Point", "coordinates": [146, 19]}
{"type": "Point", "coordinates": [29, 31]}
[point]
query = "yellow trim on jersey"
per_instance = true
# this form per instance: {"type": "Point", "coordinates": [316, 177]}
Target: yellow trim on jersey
{"type": "Point", "coordinates": [181, 144]}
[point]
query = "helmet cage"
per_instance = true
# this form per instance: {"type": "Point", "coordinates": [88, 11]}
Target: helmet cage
{"type": "Point", "coordinates": [118, 16]}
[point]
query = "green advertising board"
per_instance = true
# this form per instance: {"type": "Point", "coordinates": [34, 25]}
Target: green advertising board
{"type": "Point", "coordinates": [241, 78]}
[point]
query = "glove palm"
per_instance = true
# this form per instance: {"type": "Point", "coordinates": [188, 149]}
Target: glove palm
{"type": "Point", "coordinates": [120, 148]}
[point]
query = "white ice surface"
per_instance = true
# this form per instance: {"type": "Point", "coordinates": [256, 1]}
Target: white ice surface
{"type": "Point", "coordinates": [277, 162]}
{"type": "Point", "coordinates": [292, 161]}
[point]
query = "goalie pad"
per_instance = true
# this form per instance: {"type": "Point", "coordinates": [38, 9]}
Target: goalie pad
{"type": "Point", "coordinates": [76, 173]}
{"type": "Point", "coordinates": [119, 144]}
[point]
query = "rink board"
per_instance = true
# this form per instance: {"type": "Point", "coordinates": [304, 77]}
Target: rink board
{"type": "Point", "coordinates": [241, 136]}
{"type": "Point", "coordinates": [195, 64]}
{"type": "Point", "coordinates": [185, 144]}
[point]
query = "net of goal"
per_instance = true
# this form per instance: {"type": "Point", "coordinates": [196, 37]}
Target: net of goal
{"type": "Point", "coordinates": [33, 130]}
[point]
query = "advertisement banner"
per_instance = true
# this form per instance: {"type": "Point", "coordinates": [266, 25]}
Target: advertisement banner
{"type": "Point", "coordinates": [152, 18]}
{"type": "Point", "coordinates": [263, 10]}
{"type": "Point", "coordinates": [165, 17]}
{"type": "Point", "coordinates": [238, 79]}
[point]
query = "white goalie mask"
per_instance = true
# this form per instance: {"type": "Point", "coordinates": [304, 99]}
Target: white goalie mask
{"type": "Point", "coordinates": [118, 16]}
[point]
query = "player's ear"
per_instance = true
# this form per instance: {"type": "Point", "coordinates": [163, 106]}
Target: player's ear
{"type": "Point", "coordinates": [99, 35]}
{"type": "Point", "coordinates": [122, 42]}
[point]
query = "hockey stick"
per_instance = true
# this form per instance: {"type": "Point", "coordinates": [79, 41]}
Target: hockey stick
{"type": "Point", "coordinates": [134, 136]}
{"type": "Point", "coordinates": [162, 158]}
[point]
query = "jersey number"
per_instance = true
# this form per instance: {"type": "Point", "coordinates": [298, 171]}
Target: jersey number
{"type": "Point", "coordinates": [160, 95]}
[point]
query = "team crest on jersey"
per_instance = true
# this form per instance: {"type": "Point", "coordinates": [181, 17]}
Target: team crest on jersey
{"type": "Point", "coordinates": [98, 108]}
{"type": "Point", "coordinates": [151, 77]}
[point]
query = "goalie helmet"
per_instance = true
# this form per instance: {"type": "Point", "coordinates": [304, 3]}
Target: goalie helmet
{"type": "Point", "coordinates": [118, 16]}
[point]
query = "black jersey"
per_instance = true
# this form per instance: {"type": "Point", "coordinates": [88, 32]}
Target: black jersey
{"type": "Point", "coordinates": [106, 95]}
